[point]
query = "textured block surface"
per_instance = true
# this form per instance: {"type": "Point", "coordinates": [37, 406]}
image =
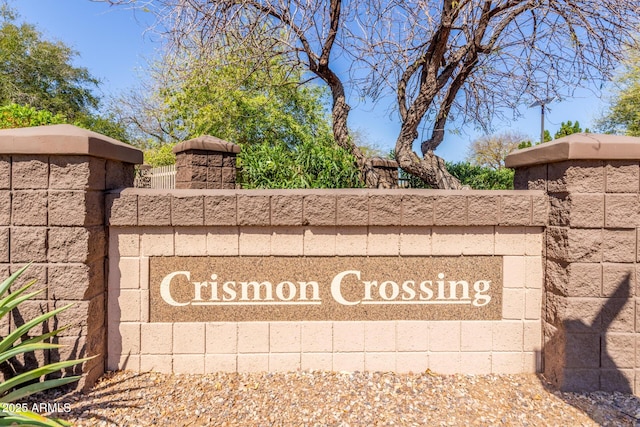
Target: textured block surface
{"type": "Point", "coordinates": [29, 208]}
{"type": "Point", "coordinates": [319, 210]}
{"type": "Point", "coordinates": [187, 210]}
{"type": "Point", "coordinates": [154, 210]}
{"type": "Point", "coordinates": [286, 210]}
{"type": "Point", "coordinates": [253, 210]}
{"type": "Point", "coordinates": [30, 172]}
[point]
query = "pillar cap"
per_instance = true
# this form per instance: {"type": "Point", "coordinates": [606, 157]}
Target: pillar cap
{"type": "Point", "coordinates": [381, 162]}
{"type": "Point", "coordinates": [207, 143]}
{"type": "Point", "coordinates": [578, 146]}
{"type": "Point", "coordinates": [66, 140]}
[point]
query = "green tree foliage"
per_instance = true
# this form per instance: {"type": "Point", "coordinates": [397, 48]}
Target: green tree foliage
{"type": "Point", "coordinates": [281, 124]}
{"type": "Point", "coordinates": [624, 113]}
{"type": "Point", "coordinates": [243, 102]}
{"type": "Point", "coordinates": [39, 86]}
{"type": "Point", "coordinates": [38, 72]}
{"type": "Point", "coordinates": [106, 125]}
{"type": "Point", "coordinates": [160, 155]}
{"type": "Point", "coordinates": [524, 144]}
{"type": "Point", "coordinates": [20, 116]}
{"type": "Point", "coordinates": [569, 128]}
{"type": "Point", "coordinates": [566, 129]}
{"type": "Point", "coordinates": [528, 143]}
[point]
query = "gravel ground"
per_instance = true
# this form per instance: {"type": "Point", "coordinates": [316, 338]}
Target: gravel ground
{"type": "Point", "coordinates": [337, 399]}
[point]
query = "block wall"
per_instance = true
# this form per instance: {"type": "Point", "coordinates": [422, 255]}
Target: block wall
{"type": "Point", "coordinates": [145, 223]}
{"type": "Point", "coordinates": [52, 214]}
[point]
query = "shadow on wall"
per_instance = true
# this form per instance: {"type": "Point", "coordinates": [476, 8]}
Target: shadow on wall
{"type": "Point", "coordinates": [581, 358]}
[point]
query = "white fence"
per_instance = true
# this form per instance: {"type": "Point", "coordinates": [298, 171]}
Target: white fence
{"type": "Point", "coordinates": [160, 177]}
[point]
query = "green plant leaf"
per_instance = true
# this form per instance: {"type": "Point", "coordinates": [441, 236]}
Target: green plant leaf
{"type": "Point", "coordinates": [6, 284]}
{"type": "Point", "coordinates": [12, 301]}
{"type": "Point", "coordinates": [13, 336]}
{"type": "Point", "coordinates": [37, 373]}
{"type": "Point", "coordinates": [28, 418]}
{"type": "Point", "coordinates": [38, 387]}
{"type": "Point", "coordinates": [26, 348]}
{"type": "Point", "coordinates": [16, 294]}
{"type": "Point", "coordinates": [45, 336]}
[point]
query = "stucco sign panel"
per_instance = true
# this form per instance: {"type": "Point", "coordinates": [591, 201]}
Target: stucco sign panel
{"type": "Point", "coordinates": [213, 289]}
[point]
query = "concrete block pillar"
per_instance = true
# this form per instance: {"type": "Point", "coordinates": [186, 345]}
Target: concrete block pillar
{"type": "Point", "coordinates": [387, 170]}
{"type": "Point", "coordinates": [590, 303]}
{"type": "Point", "coordinates": [206, 162]}
{"type": "Point", "coordinates": [52, 198]}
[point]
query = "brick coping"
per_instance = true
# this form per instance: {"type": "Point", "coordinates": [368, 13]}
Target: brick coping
{"type": "Point", "coordinates": [64, 140]}
{"type": "Point", "coordinates": [349, 207]}
{"type": "Point", "coordinates": [578, 146]}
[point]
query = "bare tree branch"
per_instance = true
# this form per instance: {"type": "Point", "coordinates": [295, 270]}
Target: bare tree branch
{"type": "Point", "coordinates": [466, 61]}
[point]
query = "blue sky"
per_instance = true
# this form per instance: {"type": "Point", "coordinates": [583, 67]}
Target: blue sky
{"type": "Point", "coordinates": [113, 45]}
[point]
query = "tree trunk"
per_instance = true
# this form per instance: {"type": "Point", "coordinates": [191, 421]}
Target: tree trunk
{"type": "Point", "coordinates": [431, 169]}
{"type": "Point", "coordinates": [339, 113]}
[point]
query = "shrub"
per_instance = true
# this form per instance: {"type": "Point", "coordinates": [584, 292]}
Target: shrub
{"type": "Point", "coordinates": [307, 165]}
{"type": "Point", "coordinates": [476, 177]}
